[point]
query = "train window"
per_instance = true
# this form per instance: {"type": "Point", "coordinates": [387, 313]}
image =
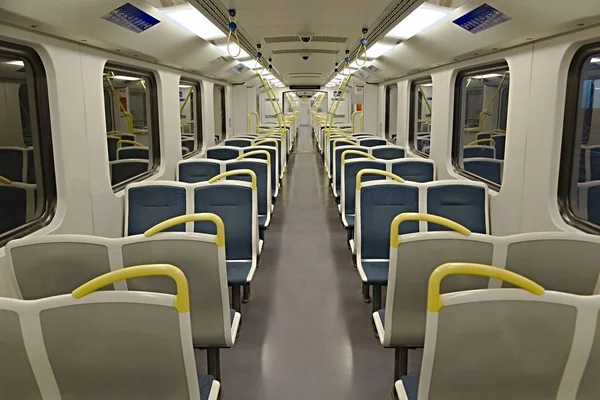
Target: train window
{"type": "Point", "coordinates": [132, 134]}
{"type": "Point", "coordinates": [391, 112]}
{"type": "Point", "coordinates": [579, 179]}
{"type": "Point", "coordinates": [220, 114]}
{"type": "Point", "coordinates": [190, 110]}
{"type": "Point", "coordinates": [27, 180]}
{"type": "Point", "coordinates": [480, 115]}
{"type": "Point", "coordinates": [419, 131]}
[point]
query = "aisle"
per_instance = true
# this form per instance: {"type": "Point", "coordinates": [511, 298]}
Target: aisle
{"type": "Point", "coordinates": [306, 331]}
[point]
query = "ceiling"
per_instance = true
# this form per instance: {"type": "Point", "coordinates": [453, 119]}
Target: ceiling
{"type": "Point", "coordinates": [335, 24]}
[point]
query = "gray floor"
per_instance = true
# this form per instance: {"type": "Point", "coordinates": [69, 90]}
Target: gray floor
{"type": "Point", "coordinates": [306, 331]}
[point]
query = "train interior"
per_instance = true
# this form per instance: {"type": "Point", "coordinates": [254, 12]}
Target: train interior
{"type": "Point", "coordinates": [209, 199]}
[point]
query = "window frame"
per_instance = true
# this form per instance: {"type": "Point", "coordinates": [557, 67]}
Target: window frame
{"type": "Point", "coordinates": [44, 151]}
{"type": "Point", "coordinates": [153, 117]}
{"type": "Point", "coordinates": [223, 106]}
{"type": "Point", "coordinates": [498, 65]}
{"type": "Point", "coordinates": [570, 137]}
{"type": "Point", "coordinates": [199, 116]}
{"type": "Point", "coordinates": [411, 117]}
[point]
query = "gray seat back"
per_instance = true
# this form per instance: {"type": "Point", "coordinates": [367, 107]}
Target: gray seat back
{"type": "Point", "coordinates": [560, 261]}
{"type": "Point", "coordinates": [45, 266]}
{"type": "Point", "coordinates": [411, 264]}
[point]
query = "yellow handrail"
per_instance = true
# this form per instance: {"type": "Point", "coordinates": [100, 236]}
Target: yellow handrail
{"type": "Point", "coordinates": [125, 112]}
{"type": "Point", "coordinates": [255, 153]}
{"type": "Point", "coordinates": [479, 141]}
{"type": "Point", "coordinates": [370, 171]}
{"type": "Point", "coordinates": [5, 180]}
{"type": "Point", "coordinates": [434, 298]}
{"type": "Point", "coordinates": [348, 141]}
{"type": "Point", "coordinates": [187, 98]}
{"type": "Point", "coordinates": [182, 219]}
{"type": "Point", "coordinates": [357, 152]}
{"type": "Point", "coordinates": [182, 299]}
{"type": "Point", "coordinates": [257, 120]}
{"type": "Point", "coordinates": [236, 172]}
{"type": "Point", "coordinates": [133, 142]}
{"type": "Point", "coordinates": [434, 219]}
{"type": "Point", "coordinates": [266, 141]}
{"type": "Point", "coordinates": [354, 114]}
{"type": "Point", "coordinates": [362, 122]}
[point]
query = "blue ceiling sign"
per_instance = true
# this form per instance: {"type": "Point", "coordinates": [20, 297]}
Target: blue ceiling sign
{"type": "Point", "coordinates": [482, 18]}
{"type": "Point", "coordinates": [131, 18]}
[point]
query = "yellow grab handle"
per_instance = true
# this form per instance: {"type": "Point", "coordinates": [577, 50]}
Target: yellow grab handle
{"type": "Point", "coordinates": [182, 219]}
{"type": "Point", "coordinates": [5, 180]}
{"type": "Point", "coordinates": [255, 153]}
{"type": "Point", "coordinates": [234, 173]}
{"type": "Point", "coordinates": [336, 141]}
{"type": "Point", "coordinates": [357, 152]}
{"type": "Point", "coordinates": [434, 298]}
{"type": "Point", "coordinates": [133, 142]}
{"type": "Point", "coordinates": [181, 301]}
{"type": "Point", "coordinates": [266, 141]}
{"type": "Point", "coordinates": [434, 219]}
{"type": "Point", "coordinates": [479, 141]}
{"type": "Point", "coordinates": [370, 171]}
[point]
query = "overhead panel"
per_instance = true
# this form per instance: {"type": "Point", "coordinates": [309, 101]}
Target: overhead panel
{"type": "Point", "coordinates": [296, 38]}
{"type": "Point", "coordinates": [306, 51]}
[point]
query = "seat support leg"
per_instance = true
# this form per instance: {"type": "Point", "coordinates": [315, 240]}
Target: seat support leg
{"type": "Point", "coordinates": [400, 362]}
{"type": "Point", "coordinates": [247, 293]}
{"type": "Point", "coordinates": [261, 234]}
{"type": "Point", "coordinates": [376, 298]}
{"type": "Point", "coordinates": [349, 236]}
{"type": "Point", "coordinates": [213, 362]}
{"type": "Point", "coordinates": [236, 298]}
{"type": "Point", "coordinates": [365, 293]}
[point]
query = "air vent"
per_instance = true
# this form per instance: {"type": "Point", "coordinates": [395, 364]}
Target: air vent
{"type": "Point", "coordinates": [282, 39]}
{"type": "Point", "coordinates": [322, 39]}
{"type": "Point", "coordinates": [330, 39]}
{"type": "Point", "coordinates": [306, 51]}
{"type": "Point", "coordinates": [305, 74]}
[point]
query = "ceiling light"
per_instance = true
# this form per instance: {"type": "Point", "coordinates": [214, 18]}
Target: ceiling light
{"type": "Point", "coordinates": [126, 78]}
{"type": "Point", "coordinates": [487, 76]}
{"type": "Point", "coordinates": [426, 84]}
{"type": "Point", "coordinates": [420, 19]}
{"type": "Point", "coordinates": [184, 86]}
{"type": "Point", "coordinates": [595, 60]}
{"type": "Point", "coordinates": [15, 62]}
{"type": "Point", "coordinates": [233, 51]}
{"type": "Point", "coordinates": [379, 49]}
{"type": "Point", "coordinates": [189, 17]}
{"type": "Point", "coordinates": [251, 64]}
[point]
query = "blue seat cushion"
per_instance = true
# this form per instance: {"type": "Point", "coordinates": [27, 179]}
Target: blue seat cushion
{"type": "Point", "coordinates": [381, 314]}
{"type": "Point", "coordinates": [237, 272]}
{"type": "Point", "coordinates": [376, 272]}
{"type": "Point", "coordinates": [205, 382]}
{"type": "Point", "coordinates": [350, 220]}
{"type": "Point", "coordinates": [411, 386]}
{"type": "Point", "coordinates": [262, 221]}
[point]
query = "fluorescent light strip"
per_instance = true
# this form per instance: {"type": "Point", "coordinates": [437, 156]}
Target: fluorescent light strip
{"type": "Point", "coordinates": [126, 78]}
{"type": "Point", "coordinates": [595, 60]}
{"type": "Point", "coordinates": [193, 20]}
{"type": "Point", "coordinates": [15, 62]}
{"type": "Point", "coordinates": [422, 18]}
{"type": "Point", "coordinates": [379, 49]}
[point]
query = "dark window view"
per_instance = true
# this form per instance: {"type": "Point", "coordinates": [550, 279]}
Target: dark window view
{"type": "Point", "coordinates": [220, 115]}
{"type": "Point", "coordinates": [23, 194]}
{"type": "Point", "coordinates": [391, 112]}
{"type": "Point", "coordinates": [129, 103]}
{"type": "Point", "coordinates": [584, 187]}
{"type": "Point", "coordinates": [480, 132]}
{"type": "Point", "coordinates": [421, 111]}
{"type": "Point", "coordinates": [190, 110]}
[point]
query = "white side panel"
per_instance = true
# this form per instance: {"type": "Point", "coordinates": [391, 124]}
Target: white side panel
{"type": "Point", "coordinates": [229, 111]}
{"type": "Point", "coordinates": [240, 110]}
{"type": "Point", "coordinates": [370, 108]}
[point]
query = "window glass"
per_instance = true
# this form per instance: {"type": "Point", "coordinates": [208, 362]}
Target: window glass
{"type": "Point", "coordinates": [190, 110]}
{"type": "Point", "coordinates": [481, 112]}
{"type": "Point", "coordinates": [579, 187]}
{"type": "Point", "coordinates": [391, 112]}
{"type": "Point", "coordinates": [421, 107]}
{"type": "Point", "coordinates": [27, 183]}
{"type": "Point", "coordinates": [220, 116]}
{"type": "Point", "coordinates": [133, 142]}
